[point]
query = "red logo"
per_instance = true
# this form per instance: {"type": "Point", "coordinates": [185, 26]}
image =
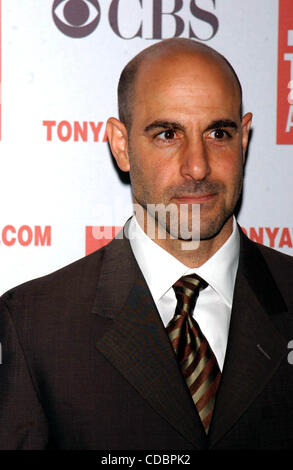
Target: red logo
{"type": "Point", "coordinates": [285, 74]}
{"type": "Point", "coordinates": [25, 235]}
{"type": "Point", "coordinates": [85, 131]}
{"type": "Point", "coordinates": [97, 237]}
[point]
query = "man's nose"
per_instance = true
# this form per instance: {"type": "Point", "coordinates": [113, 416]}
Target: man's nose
{"type": "Point", "coordinates": [194, 159]}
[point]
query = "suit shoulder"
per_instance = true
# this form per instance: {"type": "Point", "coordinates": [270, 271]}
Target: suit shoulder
{"type": "Point", "coordinates": [74, 277]}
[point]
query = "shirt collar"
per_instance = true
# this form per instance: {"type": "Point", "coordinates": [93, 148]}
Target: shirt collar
{"type": "Point", "coordinates": [161, 270]}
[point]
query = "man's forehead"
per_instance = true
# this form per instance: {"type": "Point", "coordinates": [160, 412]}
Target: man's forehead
{"type": "Point", "coordinates": [175, 64]}
{"type": "Point", "coordinates": [161, 64]}
{"type": "Point", "coordinates": [193, 71]}
{"type": "Point", "coordinates": [184, 71]}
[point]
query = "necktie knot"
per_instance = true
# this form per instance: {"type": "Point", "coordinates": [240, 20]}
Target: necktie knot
{"type": "Point", "coordinates": [187, 289]}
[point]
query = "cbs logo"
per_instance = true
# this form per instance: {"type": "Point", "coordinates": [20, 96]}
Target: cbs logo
{"type": "Point", "coordinates": [76, 18]}
{"type": "Point", "coordinates": [79, 18]}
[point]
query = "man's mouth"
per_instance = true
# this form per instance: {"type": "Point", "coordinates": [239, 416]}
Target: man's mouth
{"type": "Point", "coordinates": [195, 198]}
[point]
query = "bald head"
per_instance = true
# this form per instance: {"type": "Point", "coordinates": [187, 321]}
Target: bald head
{"type": "Point", "coordinates": [160, 53]}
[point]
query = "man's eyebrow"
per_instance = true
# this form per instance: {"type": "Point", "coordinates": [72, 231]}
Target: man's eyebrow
{"type": "Point", "coordinates": [164, 125]}
{"type": "Point", "coordinates": [222, 123]}
{"type": "Point", "coordinates": [176, 125]}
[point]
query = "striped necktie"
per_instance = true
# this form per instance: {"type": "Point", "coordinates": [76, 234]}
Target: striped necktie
{"type": "Point", "coordinates": [197, 361]}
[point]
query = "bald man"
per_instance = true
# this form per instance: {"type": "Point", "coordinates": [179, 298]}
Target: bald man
{"type": "Point", "coordinates": [175, 335]}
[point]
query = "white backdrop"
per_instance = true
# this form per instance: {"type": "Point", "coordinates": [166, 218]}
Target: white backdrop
{"type": "Point", "coordinates": [59, 79]}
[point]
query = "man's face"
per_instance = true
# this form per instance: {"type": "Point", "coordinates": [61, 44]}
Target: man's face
{"type": "Point", "coordinates": [187, 141]}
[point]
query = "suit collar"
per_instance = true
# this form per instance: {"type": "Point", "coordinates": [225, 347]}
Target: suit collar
{"type": "Point", "coordinates": [137, 345]}
{"type": "Point", "coordinates": [253, 266]}
{"type": "Point", "coordinates": [118, 273]}
{"type": "Point", "coordinates": [255, 348]}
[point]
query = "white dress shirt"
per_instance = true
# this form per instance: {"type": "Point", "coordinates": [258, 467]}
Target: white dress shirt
{"type": "Point", "coordinates": [213, 307]}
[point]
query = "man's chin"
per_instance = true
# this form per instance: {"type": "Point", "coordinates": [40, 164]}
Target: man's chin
{"type": "Point", "coordinates": [212, 229]}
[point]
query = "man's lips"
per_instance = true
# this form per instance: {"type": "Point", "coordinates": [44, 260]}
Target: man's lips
{"type": "Point", "coordinates": [195, 198]}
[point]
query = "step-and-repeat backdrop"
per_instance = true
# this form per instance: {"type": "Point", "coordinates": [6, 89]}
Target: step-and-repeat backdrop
{"type": "Point", "coordinates": [60, 64]}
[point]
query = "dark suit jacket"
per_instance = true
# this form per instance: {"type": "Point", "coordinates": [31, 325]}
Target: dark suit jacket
{"type": "Point", "coordinates": [86, 362]}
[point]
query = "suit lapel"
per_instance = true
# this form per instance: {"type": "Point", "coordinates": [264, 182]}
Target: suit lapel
{"type": "Point", "coordinates": [255, 348]}
{"type": "Point", "coordinates": [137, 345]}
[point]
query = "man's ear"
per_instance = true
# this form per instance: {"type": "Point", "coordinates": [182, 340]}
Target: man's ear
{"type": "Point", "coordinates": [245, 125]}
{"type": "Point", "coordinates": [118, 140]}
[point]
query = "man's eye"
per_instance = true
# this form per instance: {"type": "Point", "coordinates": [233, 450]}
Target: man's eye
{"type": "Point", "coordinates": [219, 134]}
{"type": "Point", "coordinates": [167, 135]}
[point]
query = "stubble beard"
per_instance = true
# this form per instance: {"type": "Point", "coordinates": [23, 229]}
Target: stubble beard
{"type": "Point", "coordinates": [209, 228]}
